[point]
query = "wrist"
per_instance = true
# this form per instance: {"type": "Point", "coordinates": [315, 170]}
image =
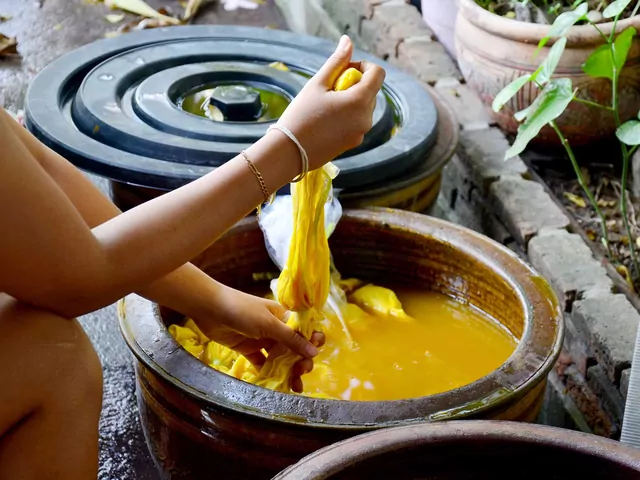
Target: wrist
{"type": "Point", "coordinates": [277, 159]}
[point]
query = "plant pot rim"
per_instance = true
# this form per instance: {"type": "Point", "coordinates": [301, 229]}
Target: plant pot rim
{"type": "Point", "coordinates": [539, 347]}
{"type": "Point", "coordinates": [349, 453]}
{"type": "Point", "coordinates": [524, 32]}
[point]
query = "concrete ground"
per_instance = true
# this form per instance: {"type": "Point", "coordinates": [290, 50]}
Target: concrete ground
{"type": "Point", "coordinates": [46, 30]}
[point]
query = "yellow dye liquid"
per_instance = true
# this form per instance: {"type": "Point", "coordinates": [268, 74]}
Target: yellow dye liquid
{"type": "Point", "coordinates": [445, 345]}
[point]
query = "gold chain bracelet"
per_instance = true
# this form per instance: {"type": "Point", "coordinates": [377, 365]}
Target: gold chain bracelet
{"type": "Point", "coordinates": [254, 170]}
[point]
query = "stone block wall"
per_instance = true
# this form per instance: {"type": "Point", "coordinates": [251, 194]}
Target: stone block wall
{"type": "Point", "coordinates": [482, 191]}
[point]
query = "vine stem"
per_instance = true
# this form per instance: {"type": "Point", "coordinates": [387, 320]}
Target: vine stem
{"type": "Point", "coordinates": [600, 31]}
{"type": "Point", "coordinates": [581, 181]}
{"type": "Point", "coordinates": [593, 104]}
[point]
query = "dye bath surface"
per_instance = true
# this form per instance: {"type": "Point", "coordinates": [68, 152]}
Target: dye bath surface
{"type": "Point", "coordinates": [444, 346]}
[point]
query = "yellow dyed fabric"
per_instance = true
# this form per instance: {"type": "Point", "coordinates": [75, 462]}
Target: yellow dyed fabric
{"type": "Point", "coordinates": [365, 304]}
{"type": "Point", "coordinates": [380, 301]}
{"type": "Point", "coordinates": [303, 285]}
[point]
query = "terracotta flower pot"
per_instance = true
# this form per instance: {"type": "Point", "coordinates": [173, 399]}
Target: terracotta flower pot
{"type": "Point", "coordinates": [200, 423]}
{"type": "Point", "coordinates": [494, 50]}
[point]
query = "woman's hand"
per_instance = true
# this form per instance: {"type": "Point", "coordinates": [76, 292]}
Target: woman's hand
{"type": "Point", "coordinates": [247, 324]}
{"type": "Point", "coordinates": [328, 123]}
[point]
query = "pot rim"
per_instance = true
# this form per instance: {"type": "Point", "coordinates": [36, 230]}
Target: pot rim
{"type": "Point", "coordinates": [524, 32]}
{"type": "Point", "coordinates": [347, 453]}
{"type": "Point", "coordinates": [156, 350]}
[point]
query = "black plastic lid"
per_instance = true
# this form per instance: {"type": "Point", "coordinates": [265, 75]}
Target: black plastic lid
{"type": "Point", "coordinates": [113, 107]}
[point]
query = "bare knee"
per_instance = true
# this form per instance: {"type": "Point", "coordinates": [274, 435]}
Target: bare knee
{"type": "Point", "coordinates": [52, 356]}
{"type": "Point", "coordinates": [51, 397]}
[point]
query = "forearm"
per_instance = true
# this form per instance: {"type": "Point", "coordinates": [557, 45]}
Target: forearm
{"type": "Point", "coordinates": [183, 290]}
{"type": "Point", "coordinates": [53, 260]}
{"type": "Point", "coordinates": [189, 220]}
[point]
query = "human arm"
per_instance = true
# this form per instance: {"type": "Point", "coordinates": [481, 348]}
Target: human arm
{"type": "Point", "coordinates": [82, 269]}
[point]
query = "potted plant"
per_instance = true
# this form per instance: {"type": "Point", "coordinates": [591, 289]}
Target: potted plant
{"type": "Point", "coordinates": [557, 93]}
{"type": "Point", "coordinates": [494, 47]}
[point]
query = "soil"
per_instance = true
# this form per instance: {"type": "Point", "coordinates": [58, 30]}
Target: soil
{"type": "Point", "coordinates": [546, 11]}
{"type": "Point", "coordinates": [603, 177]}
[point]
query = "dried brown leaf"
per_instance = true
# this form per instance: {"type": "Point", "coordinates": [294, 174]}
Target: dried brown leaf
{"type": "Point", "coordinates": [575, 199]}
{"type": "Point", "coordinates": [624, 271]}
{"type": "Point", "coordinates": [8, 46]}
{"type": "Point", "coordinates": [135, 25]}
{"type": "Point", "coordinates": [139, 7]}
{"type": "Point", "coordinates": [591, 234]}
{"type": "Point", "coordinates": [115, 17]}
{"type": "Point", "coordinates": [4, 18]}
{"type": "Point", "coordinates": [191, 9]}
{"type": "Point", "coordinates": [279, 66]}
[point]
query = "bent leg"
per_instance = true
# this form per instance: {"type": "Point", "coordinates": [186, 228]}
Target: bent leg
{"type": "Point", "coordinates": [50, 396]}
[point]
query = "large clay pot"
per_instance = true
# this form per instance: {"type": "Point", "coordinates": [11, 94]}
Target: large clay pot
{"type": "Point", "coordinates": [200, 423]}
{"type": "Point", "coordinates": [494, 50]}
{"type": "Point", "coordinates": [471, 450]}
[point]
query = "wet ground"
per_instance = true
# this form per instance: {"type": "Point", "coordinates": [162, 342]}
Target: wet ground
{"type": "Point", "coordinates": [45, 30]}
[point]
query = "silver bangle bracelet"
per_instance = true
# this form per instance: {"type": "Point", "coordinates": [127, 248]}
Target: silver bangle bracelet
{"type": "Point", "coordinates": [303, 153]}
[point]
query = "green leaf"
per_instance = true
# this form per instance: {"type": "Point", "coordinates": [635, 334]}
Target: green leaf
{"type": "Point", "coordinates": [629, 132]}
{"type": "Point", "coordinates": [615, 8]}
{"type": "Point", "coordinates": [522, 114]}
{"type": "Point", "coordinates": [508, 92]}
{"type": "Point", "coordinates": [622, 45]}
{"type": "Point", "coordinates": [564, 22]}
{"type": "Point", "coordinates": [600, 62]}
{"type": "Point", "coordinates": [550, 63]}
{"type": "Point", "coordinates": [549, 105]}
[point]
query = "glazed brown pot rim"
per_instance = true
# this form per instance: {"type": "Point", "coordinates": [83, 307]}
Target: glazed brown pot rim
{"type": "Point", "coordinates": [151, 343]}
{"type": "Point", "coordinates": [524, 32]}
{"type": "Point", "coordinates": [348, 453]}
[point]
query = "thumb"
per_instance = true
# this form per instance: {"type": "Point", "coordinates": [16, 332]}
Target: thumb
{"type": "Point", "coordinates": [287, 336]}
{"type": "Point", "coordinates": [336, 63]}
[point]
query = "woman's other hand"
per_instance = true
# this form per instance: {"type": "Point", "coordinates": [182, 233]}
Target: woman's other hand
{"type": "Point", "coordinates": [248, 324]}
{"type": "Point", "coordinates": [328, 123]}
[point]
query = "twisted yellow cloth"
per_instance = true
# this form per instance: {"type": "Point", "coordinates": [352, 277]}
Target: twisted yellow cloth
{"type": "Point", "coordinates": [303, 285]}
